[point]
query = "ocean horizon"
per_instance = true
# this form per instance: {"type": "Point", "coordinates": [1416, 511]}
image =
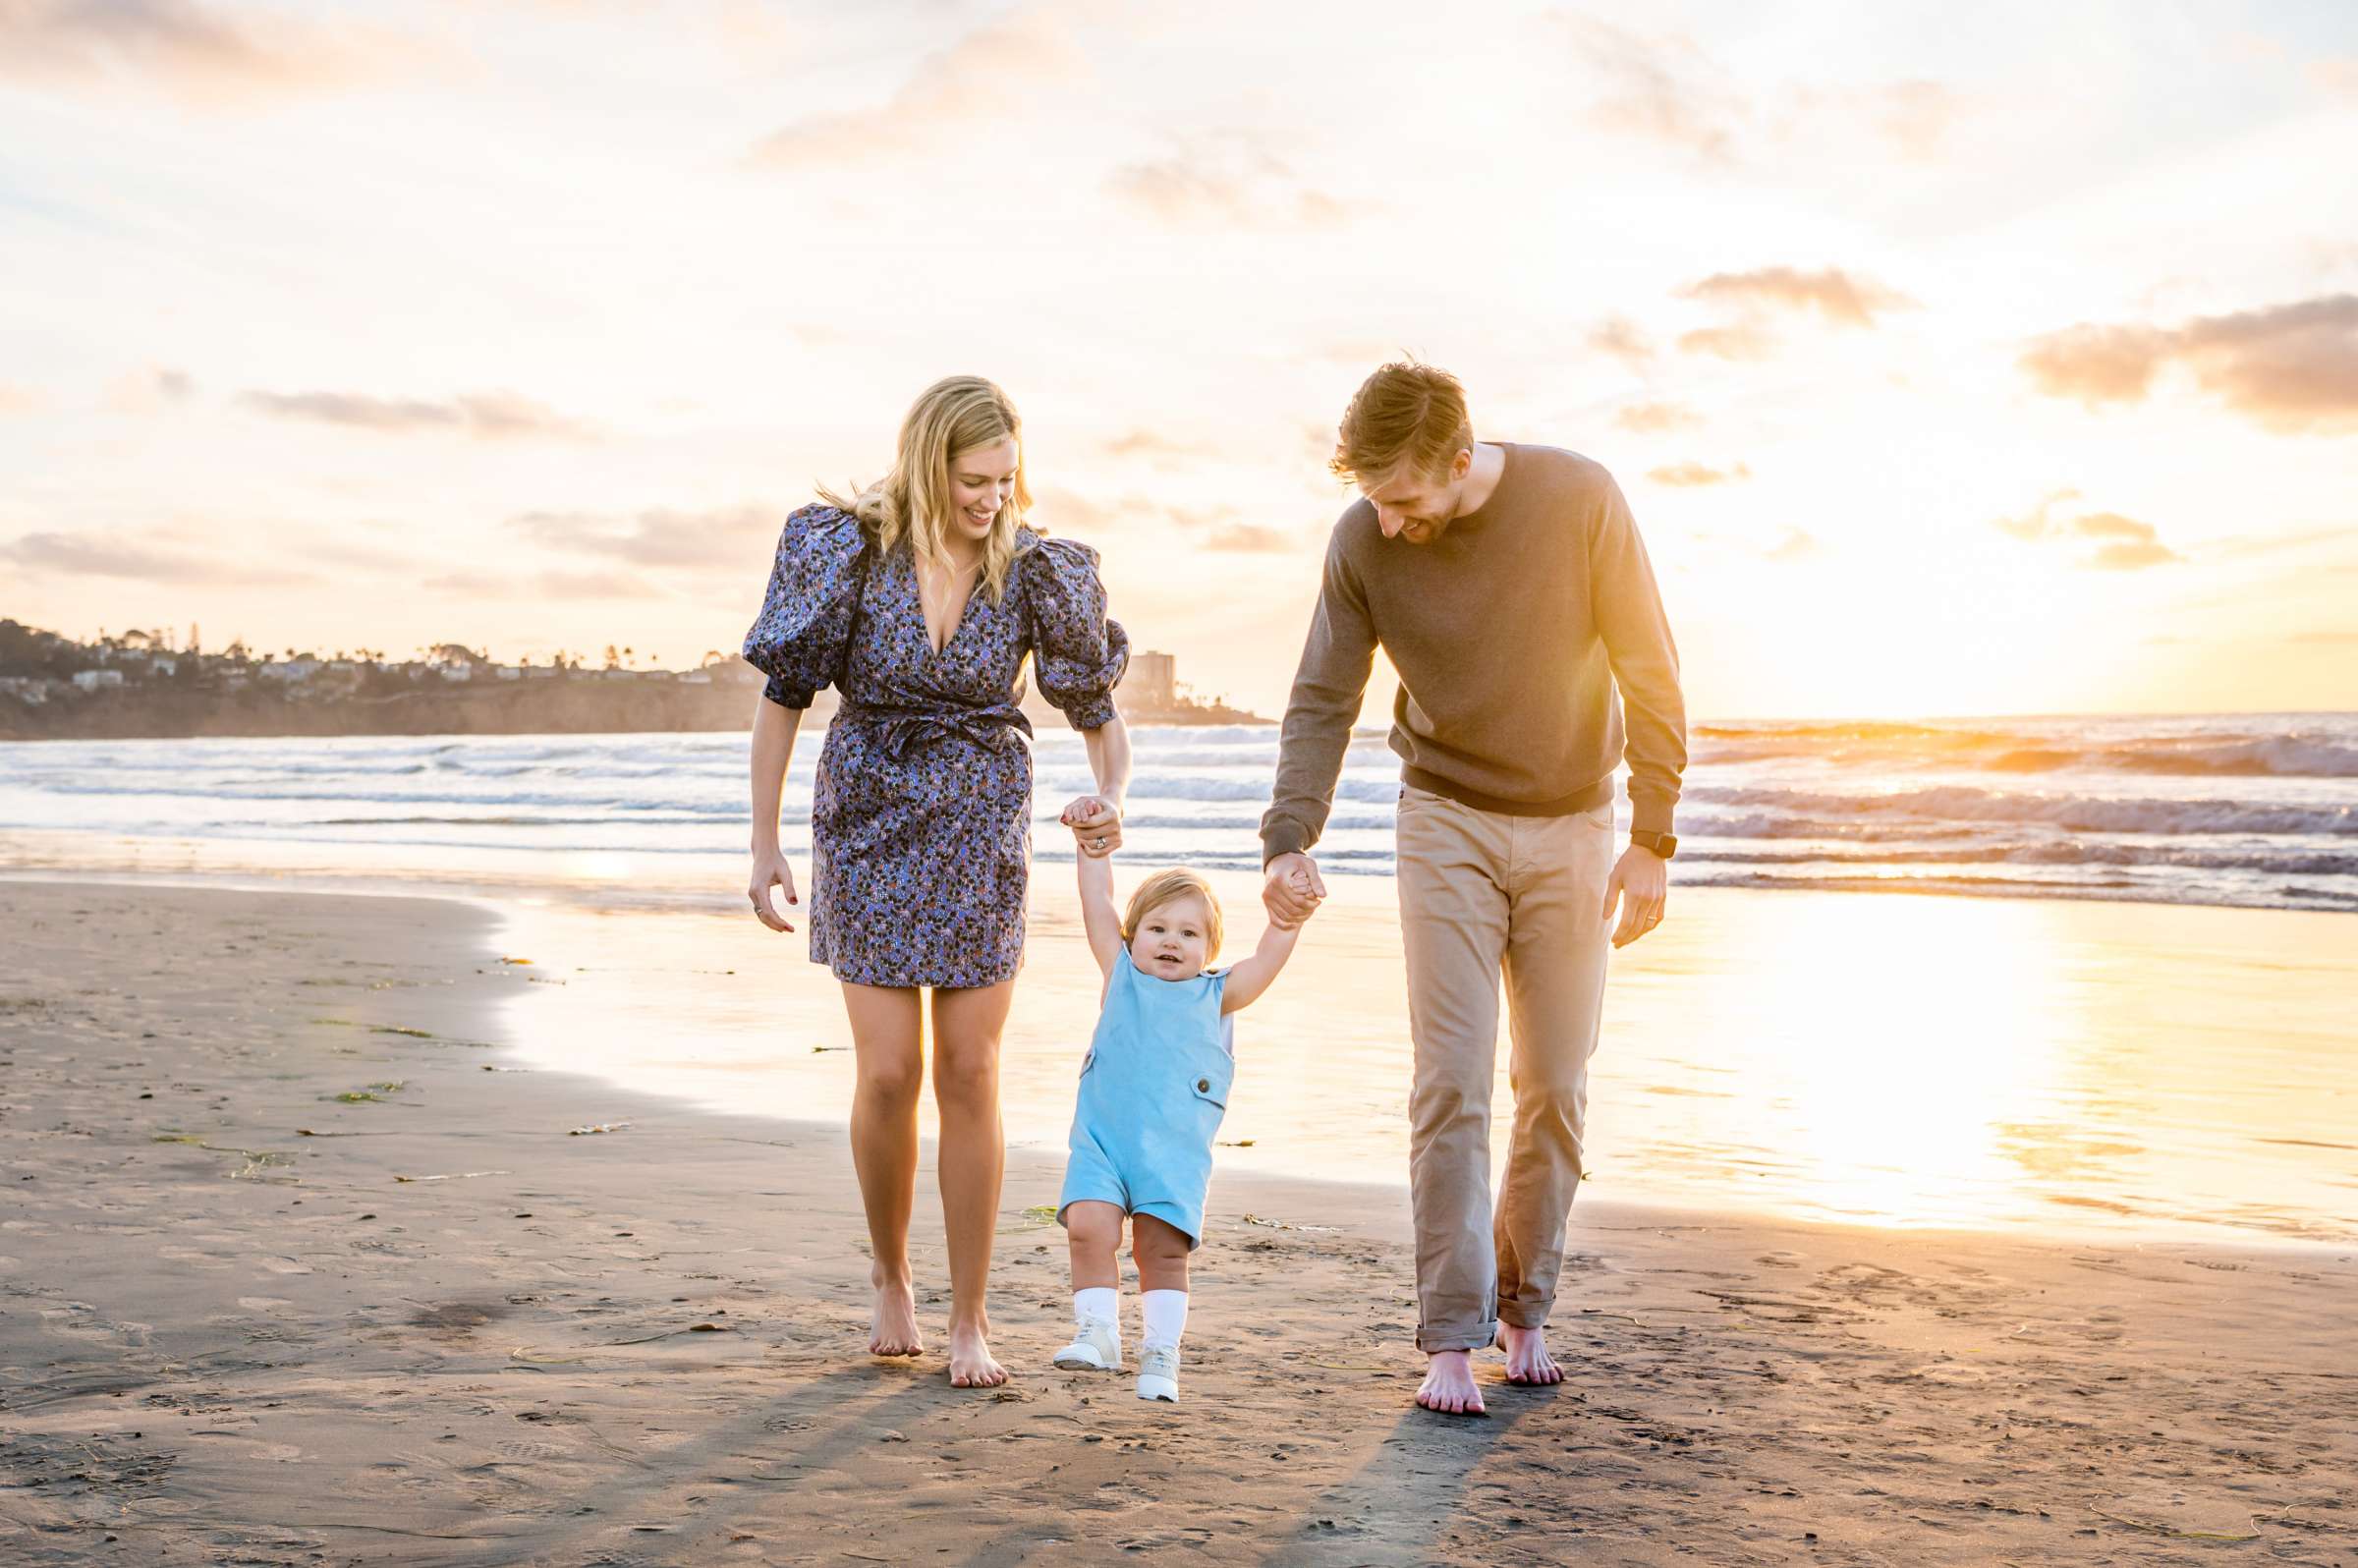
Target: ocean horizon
{"type": "Point", "coordinates": [2247, 809]}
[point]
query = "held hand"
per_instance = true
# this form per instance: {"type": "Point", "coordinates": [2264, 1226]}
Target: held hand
{"type": "Point", "coordinates": [1291, 889]}
{"type": "Point", "coordinates": [771, 868]}
{"type": "Point", "coordinates": [1097, 825]}
{"type": "Point", "coordinates": [1646, 878]}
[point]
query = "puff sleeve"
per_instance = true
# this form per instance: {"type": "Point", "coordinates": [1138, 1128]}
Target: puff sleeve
{"type": "Point", "coordinates": [1077, 655]}
{"type": "Point", "coordinates": [805, 628]}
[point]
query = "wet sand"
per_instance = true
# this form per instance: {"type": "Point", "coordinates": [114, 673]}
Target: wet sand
{"type": "Point", "coordinates": [294, 1270]}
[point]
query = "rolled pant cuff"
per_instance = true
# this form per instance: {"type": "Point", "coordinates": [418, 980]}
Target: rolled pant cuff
{"type": "Point", "coordinates": [1523, 1316]}
{"type": "Point", "coordinates": [1436, 1339]}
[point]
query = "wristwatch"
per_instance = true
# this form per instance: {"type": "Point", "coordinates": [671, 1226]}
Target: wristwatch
{"type": "Point", "coordinates": [1664, 844]}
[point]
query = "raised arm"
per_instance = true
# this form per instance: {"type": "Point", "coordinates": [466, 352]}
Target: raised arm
{"type": "Point", "coordinates": [1249, 976]}
{"type": "Point", "coordinates": [1098, 918]}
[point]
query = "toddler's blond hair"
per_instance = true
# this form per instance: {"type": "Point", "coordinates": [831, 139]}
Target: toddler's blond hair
{"type": "Point", "coordinates": [1168, 887]}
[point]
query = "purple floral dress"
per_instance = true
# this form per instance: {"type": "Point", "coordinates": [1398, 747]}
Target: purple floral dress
{"type": "Point", "coordinates": [920, 815]}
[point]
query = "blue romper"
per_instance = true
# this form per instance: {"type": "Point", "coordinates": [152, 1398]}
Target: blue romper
{"type": "Point", "coordinates": [1152, 1090]}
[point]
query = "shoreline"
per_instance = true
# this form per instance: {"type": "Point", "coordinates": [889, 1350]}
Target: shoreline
{"type": "Point", "coordinates": [1806, 1055]}
{"type": "Point", "coordinates": [224, 1335]}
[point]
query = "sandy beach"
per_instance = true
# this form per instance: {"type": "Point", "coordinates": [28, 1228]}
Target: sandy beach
{"type": "Point", "coordinates": [301, 1265]}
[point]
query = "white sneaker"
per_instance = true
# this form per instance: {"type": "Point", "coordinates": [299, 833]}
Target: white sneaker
{"type": "Point", "coordinates": [1096, 1346]}
{"type": "Point", "coordinates": [1159, 1372]}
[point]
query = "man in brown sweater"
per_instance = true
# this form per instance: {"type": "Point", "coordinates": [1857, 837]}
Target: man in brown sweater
{"type": "Point", "coordinates": [1509, 588]}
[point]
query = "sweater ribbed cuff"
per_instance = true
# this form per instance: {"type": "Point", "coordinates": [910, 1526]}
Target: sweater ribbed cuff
{"type": "Point", "coordinates": [1648, 816]}
{"type": "Point", "coordinates": [1282, 838]}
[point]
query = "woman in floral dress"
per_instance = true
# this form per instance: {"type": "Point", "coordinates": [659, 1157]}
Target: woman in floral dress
{"type": "Point", "coordinates": [918, 600]}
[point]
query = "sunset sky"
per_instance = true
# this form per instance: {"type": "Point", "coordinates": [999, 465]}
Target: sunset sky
{"type": "Point", "coordinates": [1954, 361]}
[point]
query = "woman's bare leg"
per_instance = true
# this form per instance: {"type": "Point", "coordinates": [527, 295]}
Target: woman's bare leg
{"type": "Point", "coordinates": [967, 1025]}
{"type": "Point", "coordinates": [886, 1023]}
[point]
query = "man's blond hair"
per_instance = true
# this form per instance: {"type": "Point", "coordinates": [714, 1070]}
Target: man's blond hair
{"type": "Point", "coordinates": [1168, 887]}
{"type": "Point", "coordinates": [1406, 417]}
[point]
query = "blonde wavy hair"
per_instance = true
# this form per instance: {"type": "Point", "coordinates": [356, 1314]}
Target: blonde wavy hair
{"type": "Point", "coordinates": [1168, 887]}
{"type": "Point", "coordinates": [913, 501]}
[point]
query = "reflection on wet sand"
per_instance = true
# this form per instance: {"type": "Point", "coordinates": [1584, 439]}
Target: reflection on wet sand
{"type": "Point", "coordinates": [1886, 1060]}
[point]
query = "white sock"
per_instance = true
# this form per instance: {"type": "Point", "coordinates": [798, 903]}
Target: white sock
{"type": "Point", "coordinates": [1102, 1301]}
{"type": "Point", "coordinates": [1165, 1312]}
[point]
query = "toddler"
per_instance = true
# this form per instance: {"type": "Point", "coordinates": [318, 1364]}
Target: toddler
{"type": "Point", "coordinates": [1153, 1089]}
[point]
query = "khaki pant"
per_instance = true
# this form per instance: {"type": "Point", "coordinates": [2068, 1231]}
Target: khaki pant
{"type": "Point", "coordinates": [1482, 893]}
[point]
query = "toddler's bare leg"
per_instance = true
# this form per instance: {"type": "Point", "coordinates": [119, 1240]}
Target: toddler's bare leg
{"type": "Point", "coordinates": [1160, 1253]}
{"type": "Point", "coordinates": [1092, 1232]}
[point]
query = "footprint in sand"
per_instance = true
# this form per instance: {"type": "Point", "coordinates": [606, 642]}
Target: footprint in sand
{"type": "Point", "coordinates": [264, 1303]}
{"type": "Point", "coordinates": [284, 1265]}
{"type": "Point", "coordinates": [1780, 1259]}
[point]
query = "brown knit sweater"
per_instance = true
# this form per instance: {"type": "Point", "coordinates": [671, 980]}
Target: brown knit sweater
{"type": "Point", "coordinates": [1511, 632]}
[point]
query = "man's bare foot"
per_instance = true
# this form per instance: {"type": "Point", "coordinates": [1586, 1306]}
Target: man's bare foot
{"type": "Point", "coordinates": [893, 1329]}
{"type": "Point", "coordinates": [971, 1363]}
{"type": "Point", "coordinates": [1527, 1358]}
{"type": "Point", "coordinates": [1448, 1385]}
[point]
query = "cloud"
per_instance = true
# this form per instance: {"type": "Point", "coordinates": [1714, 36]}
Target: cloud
{"type": "Point", "coordinates": [1227, 181]}
{"type": "Point", "coordinates": [973, 80]}
{"type": "Point", "coordinates": [1833, 294]}
{"type": "Point", "coordinates": [2337, 76]}
{"type": "Point", "coordinates": [1694, 474]}
{"type": "Point", "coordinates": [2110, 526]}
{"type": "Point", "coordinates": [2132, 557]}
{"type": "Point", "coordinates": [1213, 528]}
{"type": "Point", "coordinates": [2291, 367]}
{"type": "Point", "coordinates": [661, 539]}
{"type": "Point", "coordinates": [483, 415]}
{"type": "Point", "coordinates": [197, 53]}
{"type": "Point", "coordinates": [1795, 547]}
{"type": "Point", "coordinates": [1666, 88]}
{"type": "Point", "coordinates": [1162, 450]}
{"type": "Point", "coordinates": [2336, 638]}
{"type": "Point", "coordinates": [1662, 88]}
{"type": "Point", "coordinates": [1622, 338]}
{"type": "Point", "coordinates": [2296, 540]}
{"type": "Point", "coordinates": [147, 391]}
{"type": "Point", "coordinates": [1743, 340]}
{"type": "Point", "coordinates": [1654, 419]}
{"type": "Point", "coordinates": [546, 585]}
{"type": "Point", "coordinates": [2123, 544]}
{"type": "Point", "coordinates": [15, 399]}
{"type": "Point", "coordinates": [2096, 364]}
{"type": "Point", "coordinates": [1250, 539]}
{"type": "Point", "coordinates": [1914, 116]}
{"type": "Point", "coordinates": [141, 561]}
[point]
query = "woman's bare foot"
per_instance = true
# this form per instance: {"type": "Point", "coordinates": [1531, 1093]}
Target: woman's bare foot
{"type": "Point", "coordinates": [1448, 1385]}
{"type": "Point", "coordinates": [893, 1329]}
{"type": "Point", "coordinates": [971, 1363]}
{"type": "Point", "coordinates": [1527, 1358]}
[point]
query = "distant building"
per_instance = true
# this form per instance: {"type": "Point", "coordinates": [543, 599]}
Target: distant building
{"type": "Point", "coordinates": [508, 672]}
{"type": "Point", "coordinates": [294, 672]}
{"type": "Point", "coordinates": [30, 689]}
{"type": "Point", "coordinates": [92, 680]}
{"type": "Point", "coordinates": [1152, 681]}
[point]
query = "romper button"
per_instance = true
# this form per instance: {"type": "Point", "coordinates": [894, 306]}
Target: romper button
{"type": "Point", "coordinates": [1203, 1086]}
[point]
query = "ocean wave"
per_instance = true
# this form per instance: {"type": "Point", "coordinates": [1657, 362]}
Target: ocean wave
{"type": "Point", "coordinates": [2324, 747]}
{"type": "Point", "coordinates": [1798, 813]}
